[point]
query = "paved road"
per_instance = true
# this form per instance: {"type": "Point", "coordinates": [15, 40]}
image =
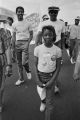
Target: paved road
{"type": "Point", "coordinates": [22, 103]}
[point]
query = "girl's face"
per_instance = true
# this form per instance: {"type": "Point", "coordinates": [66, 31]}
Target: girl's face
{"type": "Point", "coordinates": [48, 37]}
{"type": "Point", "coordinates": [20, 14]}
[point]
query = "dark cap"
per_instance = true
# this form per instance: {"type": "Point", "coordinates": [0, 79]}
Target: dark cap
{"type": "Point", "coordinates": [53, 8]}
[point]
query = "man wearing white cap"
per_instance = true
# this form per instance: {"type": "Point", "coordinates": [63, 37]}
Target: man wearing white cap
{"type": "Point", "coordinates": [74, 36]}
{"type": "Point", "coordinates": [58, 24]}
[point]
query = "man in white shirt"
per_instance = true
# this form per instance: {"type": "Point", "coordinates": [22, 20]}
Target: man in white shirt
{"type": "Point", "coordinates": [22, 36]}
{"type": "Point", "coordinates": [59, 28]}
{"type": "Point", "coordinates": [74, 35]}
{"type": "Point", "coordinates": [58, 25]}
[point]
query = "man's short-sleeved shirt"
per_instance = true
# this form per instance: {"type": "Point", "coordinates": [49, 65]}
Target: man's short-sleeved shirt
{"type": "Point", "coordinates": [22, 29]}
{"type": "Point", "coordinates": [74, 31]}
{"type": "Point", "coordinates": [47, 57]}
{"type": "Point", "coordinates": [58, 25]}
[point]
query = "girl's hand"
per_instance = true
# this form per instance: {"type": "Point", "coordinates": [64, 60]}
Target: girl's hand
{"type": "Point", "coordinates": [48, 85]}
{"type": "Point", "coordinates": [41, 85]}
{"type": "Point", "coordinates": [76, 77]}
{"type": "Point", "coordinates": [44, 85]}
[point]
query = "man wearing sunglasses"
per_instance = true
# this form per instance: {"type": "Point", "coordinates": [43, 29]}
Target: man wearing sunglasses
{"type": "Point", "coordinates": [59, 28]}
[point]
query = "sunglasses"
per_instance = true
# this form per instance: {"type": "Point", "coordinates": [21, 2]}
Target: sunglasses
{"type": "Point", "coordinates": [53, 12]}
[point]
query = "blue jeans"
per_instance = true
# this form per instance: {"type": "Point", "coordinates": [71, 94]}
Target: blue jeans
{"type": "Point", "coordinates": [73, 48]}
{"type": "Point", "coordinates": [48, 94]}
{"type": "Point", "coordinates": [22, 55]}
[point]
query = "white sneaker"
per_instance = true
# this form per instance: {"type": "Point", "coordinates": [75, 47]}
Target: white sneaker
{"type": "Point", "coordinates": [29, 75]}
{"type": "Point", "coordinates": [18, 82]}
{"type": "Point", "coordinates": [56, 89]}
{"type": "Point", "coordinates": [72, 61]}
{"type": "Point", "coordinates": [42, 107]}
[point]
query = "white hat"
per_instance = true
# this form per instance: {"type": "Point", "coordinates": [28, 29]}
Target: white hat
{"type": "Point", "coordinates": [78, 18]}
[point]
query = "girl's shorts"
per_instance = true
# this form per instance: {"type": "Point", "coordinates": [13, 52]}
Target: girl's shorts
{"type": "Point", "coordinates": [45, 77]}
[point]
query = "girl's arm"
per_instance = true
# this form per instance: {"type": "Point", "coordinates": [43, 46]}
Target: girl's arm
{"type": "Point", "coordinates": [36, 73]}
{"type": "Point", "coordinates": [56, 73]}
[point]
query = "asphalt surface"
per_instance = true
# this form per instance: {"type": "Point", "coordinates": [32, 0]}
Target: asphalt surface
{"type": "Point", "coordinates": [22, 102]}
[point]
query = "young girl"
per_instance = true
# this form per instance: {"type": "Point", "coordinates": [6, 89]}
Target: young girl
{"type": "Point", "coordinates": [47, 67]}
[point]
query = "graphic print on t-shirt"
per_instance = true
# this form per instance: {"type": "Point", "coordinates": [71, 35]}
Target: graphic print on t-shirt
{"type": "Point", "coordinates": [48, 59]}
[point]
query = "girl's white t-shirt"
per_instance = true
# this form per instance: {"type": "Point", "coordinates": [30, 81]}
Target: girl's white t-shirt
{"type": "Point", "coordinates": [47, 57]}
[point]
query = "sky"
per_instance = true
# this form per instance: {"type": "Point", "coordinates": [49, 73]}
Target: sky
{"type": "Point", "coordinates": [69, 9]}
